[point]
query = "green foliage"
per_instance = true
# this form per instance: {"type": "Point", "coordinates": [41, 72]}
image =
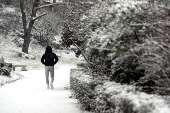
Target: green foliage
{"type": "Point", "coordinates": [71, 38]}
{"type": "Point", "coordinates": [109, 35]}
{"type": "Point", "coordinates": [5, 71]}
{"type": "Point", "coordinates": [126, 106]}
{"type": "Point", "coordinates": [133, 34]}
{"type": "Point", "coordinates": [126, 70]}
{"type": "Point", "coordinates": [83, 90]}
{"type": "Point", "coordinates": [105, 97]}
{"type": "Point", "coordinates": [5, 68]}
{"type": "Point", "coordinates": [67, 34]}
{"type": "Point", "coordinates": [72, 25]}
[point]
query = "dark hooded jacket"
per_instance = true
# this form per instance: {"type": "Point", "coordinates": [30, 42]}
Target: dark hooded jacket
{"type": "Point", "coordinates": [49, 58]}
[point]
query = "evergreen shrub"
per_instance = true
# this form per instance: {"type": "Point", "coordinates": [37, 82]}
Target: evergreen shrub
{"type": "Point", "coordinates": [135, 41]}
{"type": "Point", "coordinates": [109, 97]}
{"type": "Point", "coordinates": [83, 88]}
{"type": "Point", "coordinates": [5, 68]}
{"type": "Point", "coordinates": [128, 41]}
{"type": "Point", "coordinates": [126, 70]}
{"type": "Point", "coordinates": [5, 71]}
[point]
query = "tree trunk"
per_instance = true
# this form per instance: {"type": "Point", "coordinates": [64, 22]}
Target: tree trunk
{"type": "Point", "coordinates": [28, 26]}
{"type": "Point", "coordinates": [26, 44]}
{"type": "Point", "coordinates": [27, 31]}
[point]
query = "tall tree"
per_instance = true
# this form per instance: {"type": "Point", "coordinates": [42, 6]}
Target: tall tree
{"type": "Point", "coordinates": [28, 24]}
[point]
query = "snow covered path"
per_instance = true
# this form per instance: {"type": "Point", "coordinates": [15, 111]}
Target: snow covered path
{"type": "Point", "coordinates": [30, 95]}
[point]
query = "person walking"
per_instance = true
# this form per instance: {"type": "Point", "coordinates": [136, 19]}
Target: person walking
{"type": "Point", "coordinates": [49, 59]}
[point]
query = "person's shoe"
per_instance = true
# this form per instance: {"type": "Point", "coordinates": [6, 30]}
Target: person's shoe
{"type": "Point", "coordinates": [48, 87]}
{"type": "Point", "coordinates": [51, 86]}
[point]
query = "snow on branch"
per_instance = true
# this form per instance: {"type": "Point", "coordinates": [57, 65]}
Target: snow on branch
{"type": "Point", "coordinates": [160, 31]}
{"type": "Point", "coordinates": [62, 3]}
{"type": "Point", "coordinates": [151, 24]}
{"type": "Point", "coordinates": [102, 49]}
{"type": "Point", "coordinates": [159, 45]}
{"type": "Point", "coordinates": [45, 6]}
{"type": "Point", "coordinates": [83, 53]}
{"type": "Point", "coordinates": [163, 7]}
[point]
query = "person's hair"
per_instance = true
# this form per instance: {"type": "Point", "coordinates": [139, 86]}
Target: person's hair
{"type": "Point", "coordinates": [48, 49]}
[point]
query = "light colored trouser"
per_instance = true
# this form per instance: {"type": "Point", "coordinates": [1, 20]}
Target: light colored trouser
{"type": "Point", "coordinates": [49, 69]}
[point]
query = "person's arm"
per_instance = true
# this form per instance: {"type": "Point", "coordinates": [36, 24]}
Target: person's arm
{"type": "Point", "coordinates": [55, 59]}
{"type": "Point", "coordinates": [42, 59]}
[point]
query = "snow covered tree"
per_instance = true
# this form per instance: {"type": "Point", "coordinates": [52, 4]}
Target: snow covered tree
{"type": "Point", "coordinates": [66, 35]}
{"type": "Point", "coordinates": [108, 30]}
{"type": "Point", "coordinates": [135, 28]}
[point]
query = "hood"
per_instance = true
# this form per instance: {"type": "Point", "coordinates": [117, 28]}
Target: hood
{"type": "Point", "coordinates": [48, 49]}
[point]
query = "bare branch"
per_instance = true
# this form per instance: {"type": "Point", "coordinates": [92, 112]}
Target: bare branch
{"type": "Point", "coordinates": [82, 52]}
{"type": "Point", "coordinates": [39, 16]}
{"type": "Point", "coordinates": [2, 5]}
{"type": "Point", "coordinates": [151, 24]}
{"type": "Point", "coordinates": [161, 32]}
{"type": "Point", "coordinates": [163, 7]}
{"type": "Point", "coordinates": [45, 6]}
{"type": "Point", "coordinates": [136, 36]}
{"type": "Point", "coordinates": [159, 45]}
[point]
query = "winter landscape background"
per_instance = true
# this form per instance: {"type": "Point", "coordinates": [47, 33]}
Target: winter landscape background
{"type": "Point", "coordinates": [114, 56]}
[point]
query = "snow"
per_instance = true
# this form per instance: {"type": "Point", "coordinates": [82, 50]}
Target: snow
{"type": "Point", "coordinates": [155, 103]}
{"type": "Point", "coordinates": [9, 9]}
{"type": "Point", "coordinates": [51, 1]}
{"type": "Point", "coordinates": [30, 95]}
{"type": "Point", "coordinates": [13, 77]}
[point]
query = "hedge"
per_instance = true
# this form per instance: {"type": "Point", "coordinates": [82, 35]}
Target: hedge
{"type": "Point", "coordinates": [110, 97]}
{"type": "Point", "coordinates": [83, 86]}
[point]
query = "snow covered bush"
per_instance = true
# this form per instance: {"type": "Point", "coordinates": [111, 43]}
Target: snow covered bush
{"type": "Point", "coordinates": [114, 30]}
{"type": "Point", "coordinates": [110, 97]}
{"type": "Point", "coordinates": [83, 88]}
{"type": "Point", "coordinates": [153, 51]}
{"type": "Point", "coordinates": [5, 68]}
{"type": "Point", "coordinates": [5, 71]}
{"type": "Point", "coordinates": [110, 36]}
{"type": "Point", "coordinates": [66, 34]}
{"type": "Point", "coordinates": [126, 70]}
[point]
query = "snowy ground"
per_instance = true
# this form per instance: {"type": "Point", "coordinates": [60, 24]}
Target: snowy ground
{"type": "Point", "coordinates": [8, 9]}
{"type": "Point", "coordinates": [30, 95]}
{"type": "Point", "coordinates": [13, 77]}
